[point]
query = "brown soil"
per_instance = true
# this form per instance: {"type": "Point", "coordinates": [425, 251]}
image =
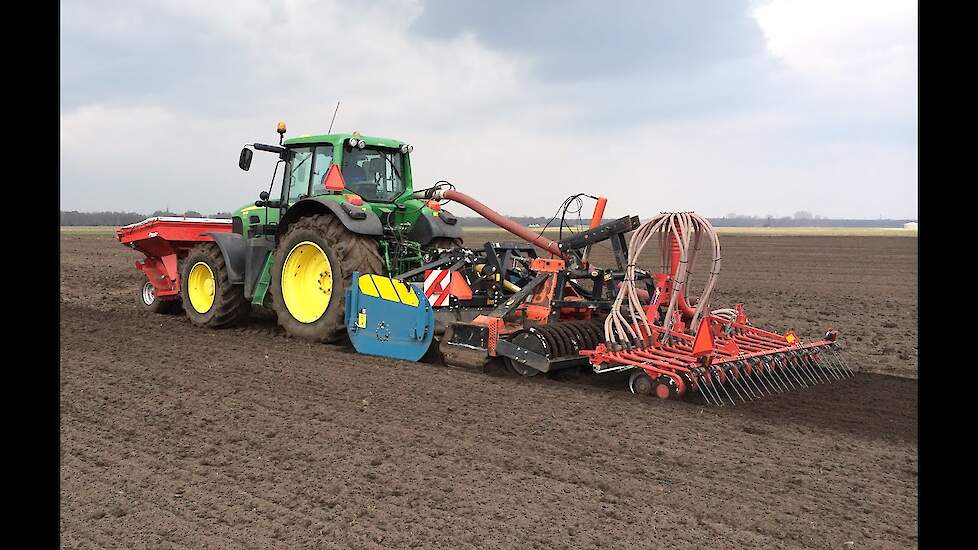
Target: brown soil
{"type": "Point", "coordinates": [175, 436]}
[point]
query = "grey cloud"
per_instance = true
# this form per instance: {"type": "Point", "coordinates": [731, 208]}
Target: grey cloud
{"type": "Point", "coordinates": [585, 40]}
{"type": "Point", "coordinates": [131, 53]}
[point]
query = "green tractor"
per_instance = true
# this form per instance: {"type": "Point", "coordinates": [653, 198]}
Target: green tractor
{"type": "Point", "coordinates": [345, 205]}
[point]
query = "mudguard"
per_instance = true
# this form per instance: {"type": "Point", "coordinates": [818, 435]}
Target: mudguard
{"type": "Point", "coordinates": [357, 219]}
{"type": "Point", "coordinates": [388, 318]}
{"type": "Point", "coordinates": [234, 250]}
{"type": "Point", "coordinates": [427, 228]}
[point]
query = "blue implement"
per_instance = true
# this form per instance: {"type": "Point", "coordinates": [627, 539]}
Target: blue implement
{"type": "Point", "coordinates": [388, 318]}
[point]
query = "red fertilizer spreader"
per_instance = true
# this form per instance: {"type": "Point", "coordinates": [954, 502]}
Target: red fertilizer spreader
{"type": "Point", "coordinates": [164, 240]}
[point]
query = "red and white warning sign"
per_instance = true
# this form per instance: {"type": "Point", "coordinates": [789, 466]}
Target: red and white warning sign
{"type": "Point", "coordinates": [439, 284]}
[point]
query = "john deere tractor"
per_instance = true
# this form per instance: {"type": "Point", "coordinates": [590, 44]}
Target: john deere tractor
{"type": "Point", "coordinates": [345, 205]}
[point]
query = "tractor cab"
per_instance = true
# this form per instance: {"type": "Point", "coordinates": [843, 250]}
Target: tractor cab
{"type": "Point", "coordinates": [365, 181]}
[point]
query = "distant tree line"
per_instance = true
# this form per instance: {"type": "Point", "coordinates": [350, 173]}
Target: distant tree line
{"type": "Point", "coordinates": [75, 218]}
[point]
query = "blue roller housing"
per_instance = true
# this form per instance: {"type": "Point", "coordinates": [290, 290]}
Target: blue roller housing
{"type": "Point", "coordinates": [388, 318]}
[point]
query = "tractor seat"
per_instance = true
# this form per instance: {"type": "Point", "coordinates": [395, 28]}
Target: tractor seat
{"type": "Point", "coordinates": [377, 168]}
{"type": "Point", "coordinates": [354, 174]}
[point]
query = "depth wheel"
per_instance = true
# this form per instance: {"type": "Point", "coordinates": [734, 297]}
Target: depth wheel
{"type": "Point", "coordinates": [639, 383]}
{"type": "Point", "coordinates": [151, 302]}
{"type": "Point", "coordinates": [520, 369]}
{"type": "Point", "coordinates": [209, 298]}
{"type": "Point", "coordinates": [665, 388]}
{"type": "Point", "coordinates": [314, 264]}
{"type": "Point", "coordinates": [533, 340]}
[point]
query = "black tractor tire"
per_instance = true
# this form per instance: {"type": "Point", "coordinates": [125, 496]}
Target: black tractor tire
{"type": "Point", "coordinates": [439, 243]}
{"type": "Point", "coordinates": [347, 252]}
{"type": "Point", "coordinates": [443, 242]}
{"type": "Point", "coordinates": [230, 305]}
{"type": "Point", "coordinates": [149, 301]}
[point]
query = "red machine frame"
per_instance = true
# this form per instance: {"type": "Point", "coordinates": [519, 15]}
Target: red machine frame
{"type": "Point", "coordinates": [164, 240]}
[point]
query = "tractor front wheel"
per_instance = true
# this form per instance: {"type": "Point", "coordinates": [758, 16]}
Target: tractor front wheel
{"type": "Point", "coordinates": [314, 264]}
{"type": "Point", "coordinates": [209, 298]}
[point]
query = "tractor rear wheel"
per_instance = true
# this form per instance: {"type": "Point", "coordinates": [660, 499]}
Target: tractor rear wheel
{"type": "Point", "coordinates": [209, 298]}
{"type": "Point", "coordinates": [314, 265]}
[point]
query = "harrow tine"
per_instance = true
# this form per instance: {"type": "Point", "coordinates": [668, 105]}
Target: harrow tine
{"type": "Point", "coordinates": [736, 381]}
{"type": "Point", "coordinates": [816, 363]}
{"type": "Point", "coordinates": [744, 381]}
{"type": "Point", "coordinates": [733, 375]}
{"type": "Point", "coordinates": [751, 381]}
{"type": "Point", "coordinates": [802, 359]}
{"type": "Point", "coordinates": [825, 363]}
{"type": "Point", "coordinates": [733, 384]}
{"type": "Point", "coordinates": [805, 370]}
{"type": "Point", "coordinates": [761, 375]}
{"type": "Point", "coordinates": [772, 371]}
{"type": "Point", "coordinates": [715, 373]}
{"type": "Point", "coordinates": [789, 368]}
{"type": "Point", "coordinates": [841, 361]}
{"type": "Point", "coordinates": [834, 358]}
{"type": "Point", "coordinates": [844, 362]}
{"type": "Point", "coordinates": [707, 391]}
{"type": "Point", "coordinates": [706, 394]}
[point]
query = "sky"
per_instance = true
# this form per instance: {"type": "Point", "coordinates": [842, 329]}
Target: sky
{"type": "Point", "coordinates": [754, 107]}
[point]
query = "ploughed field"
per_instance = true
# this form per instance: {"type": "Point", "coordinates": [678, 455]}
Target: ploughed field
{"type": "Point", "coordinates": [173, 436]}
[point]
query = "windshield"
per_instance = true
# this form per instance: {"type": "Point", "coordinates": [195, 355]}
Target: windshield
{"type": "Point", "coordinates": [374, 174]}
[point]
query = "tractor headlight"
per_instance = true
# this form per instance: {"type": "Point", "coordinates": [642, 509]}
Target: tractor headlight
{"type": "Point", "coordinates": [354, 142]}
{"type": "Point", "coordinates": [410, 148]}
{"type": "Point", "coordinates": [361, 144]}
{"type": "Point", "coordinates": [404, 149]}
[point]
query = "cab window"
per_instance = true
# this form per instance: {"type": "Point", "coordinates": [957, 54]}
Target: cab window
{"type": "Point", "coordinates": [374, 173]}
{"type": "Point", "coordinates": [322, 159]}
{"type": "Point", "coordinates": [297, 172]}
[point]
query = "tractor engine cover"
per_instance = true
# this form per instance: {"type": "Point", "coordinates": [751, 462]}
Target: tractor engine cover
{"type": "Point", "coordinates": [388, 318]}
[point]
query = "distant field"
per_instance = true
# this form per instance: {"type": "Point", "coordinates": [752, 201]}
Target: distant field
{"type": "Point", "coordinates": [769, 231]}
{"type": "Point", "coordinates": [88, 230]}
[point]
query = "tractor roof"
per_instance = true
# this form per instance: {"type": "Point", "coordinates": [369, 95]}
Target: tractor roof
{"type": "Point", "coordinates": [333, 138]}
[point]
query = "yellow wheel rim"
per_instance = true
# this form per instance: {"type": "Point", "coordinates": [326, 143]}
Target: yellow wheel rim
{"type": "Point", "coordinates": [200, 287]}
{"type": "Point", "coordinates": [307, 282]}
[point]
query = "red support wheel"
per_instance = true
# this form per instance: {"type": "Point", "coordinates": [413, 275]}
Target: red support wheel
{"type": "Point", "coordinates": [666, 388]}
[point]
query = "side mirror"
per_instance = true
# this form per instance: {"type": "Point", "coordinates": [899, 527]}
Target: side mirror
{"type": "Point", "coordinates": [244, 161]}
{"type": "Point", "coordinates": [263, 195]}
